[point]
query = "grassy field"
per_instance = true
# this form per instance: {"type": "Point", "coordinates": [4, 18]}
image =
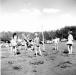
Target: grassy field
{"type": "Point", "coordinates": [52, 62]}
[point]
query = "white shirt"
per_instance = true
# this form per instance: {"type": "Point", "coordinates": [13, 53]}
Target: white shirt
{"type": "Point", "coordinates": [36, 40]}
{"type": "Point", "coordinates": [70, 39]}
{"type": "Point", "coordinates": [13, 42]}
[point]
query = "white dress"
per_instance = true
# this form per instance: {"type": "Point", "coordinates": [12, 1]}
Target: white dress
{"type": "Point", "coordinates": [70, 40]}
{"type": "Point", "coordinates": [13, 42]}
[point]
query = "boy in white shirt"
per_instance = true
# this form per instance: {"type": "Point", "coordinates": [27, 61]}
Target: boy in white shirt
{"type": "Point", "coordinates": [56, 41]}
{"type": "Point", "coordinates": [36, 45]}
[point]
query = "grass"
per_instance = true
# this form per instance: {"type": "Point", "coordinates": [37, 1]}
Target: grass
{"type": "Point", "coordinates": [22, 64]}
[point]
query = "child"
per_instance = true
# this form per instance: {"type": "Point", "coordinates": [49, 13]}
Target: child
{"type": "Point", "coordinates": [36, 45]}
{"type": "Point", "coordinates": [56, 43]}
{"type": "Point", "coordinates": [14, 43]}
{"type": "Point", "coordinates": [24, 41]}
{"type": "Point", "coordinates": [70, 42]}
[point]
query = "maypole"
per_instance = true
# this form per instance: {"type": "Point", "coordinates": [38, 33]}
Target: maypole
{"type": "Point", "coordinates": [43, 38]}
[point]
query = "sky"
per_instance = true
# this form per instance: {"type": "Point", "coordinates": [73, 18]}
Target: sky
{"type": "Point", "coordinates": [36, 15]}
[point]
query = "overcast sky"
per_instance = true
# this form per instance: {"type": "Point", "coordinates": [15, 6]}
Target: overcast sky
{"type": "Point", "coordinates": [30, 15]}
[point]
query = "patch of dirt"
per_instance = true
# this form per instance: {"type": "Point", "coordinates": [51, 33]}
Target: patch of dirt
{"type": "Point", "coordinates": [64, 64]}
{"type": "Point", "coordinates": [3, 57]}
{"type": "Point", "coordinates": [52, 57]}
{"type": "Point", "coordinates": [37, 62]}
{"type": "Point", "coordinates": [10, 62]}
{"type": "Point", "coordinates": [17, 67]}
{"type": "Point", "coordinates": [45, 53]}
{"type": "Point", "coordinates": [65, 51]}
{"type": "Point", "coordinates": [34, 70]}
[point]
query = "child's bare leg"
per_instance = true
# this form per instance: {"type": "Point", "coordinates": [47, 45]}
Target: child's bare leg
{"type": "Point", "coordinates": [11, 51]}
{"type": "Point", "coordinates": [15, 51]}
{"type": "Point", "coordinates": [57, 46]}
{"type": "Point", "coordinates": [71, 50]}
{"type": "Point", "coordinates": [36, 51]}
{"type": "Point", "coordinates": [40, 51]}
{"type": "Point", "coordinates": [68, 49]}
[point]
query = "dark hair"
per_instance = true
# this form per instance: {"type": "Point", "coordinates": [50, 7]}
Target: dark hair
{"type": "Point", "coordinates": [70, 32]}
{"type": "Point", "coordinates": [14, 34]}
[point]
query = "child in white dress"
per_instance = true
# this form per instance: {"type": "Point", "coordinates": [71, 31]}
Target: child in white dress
{"type": "Point", "coordinates": [70, 42]}
{"type": "Point", "coordinates": [14, 43]}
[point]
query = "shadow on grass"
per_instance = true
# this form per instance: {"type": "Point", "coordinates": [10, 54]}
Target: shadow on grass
{"type": "Point", "coordinates": [37, 62]}
{"type": "Point", "coordinates": [17, 67]}
{"type": "Point", "coordinates": [64, 64]}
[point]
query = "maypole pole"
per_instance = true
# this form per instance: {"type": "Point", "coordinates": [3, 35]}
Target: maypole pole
{"type": "Point", "coordinates": [43, 38]}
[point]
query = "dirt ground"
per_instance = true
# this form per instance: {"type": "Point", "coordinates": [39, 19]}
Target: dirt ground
{"type": "Point", "coordinates": [52, 62]}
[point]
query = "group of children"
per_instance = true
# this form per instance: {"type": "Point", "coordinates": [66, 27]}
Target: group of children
{"type": "Point", "coordinates": [28, 43]}
{"type": "Point", "coordinates": [34, 44]}
{"type": "Point", "coordinates": [69, 42]}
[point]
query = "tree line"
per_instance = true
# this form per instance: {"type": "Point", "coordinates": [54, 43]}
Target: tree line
{"type": "Point", "coordinates": [48, 35]}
